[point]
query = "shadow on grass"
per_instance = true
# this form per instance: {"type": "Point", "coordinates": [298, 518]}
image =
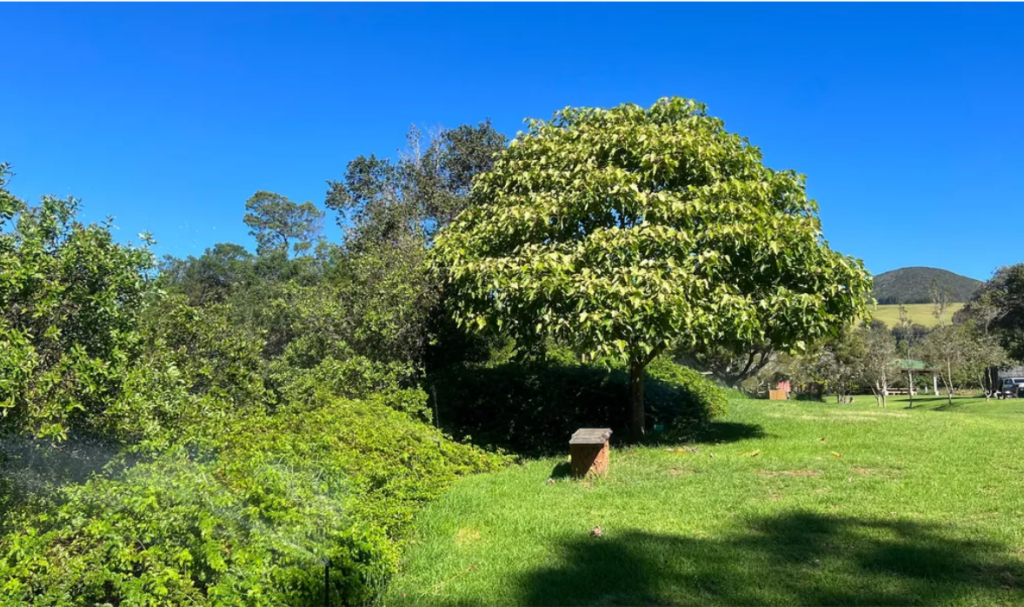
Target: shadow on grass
{"type": "Point", "coordinates": [797, 558]}
{"type": "Point", "coordinates": [926, 402]}
{"type": "Point", "coordinates": [728, 432]}
{"type": "Point", "coordinates": [941, 403]}
{"type": "Point", "coordinates": [562, 470]}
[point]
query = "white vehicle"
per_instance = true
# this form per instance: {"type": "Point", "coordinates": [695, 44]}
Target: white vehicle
{"type": "Point", "coordinates": [1011, 387]}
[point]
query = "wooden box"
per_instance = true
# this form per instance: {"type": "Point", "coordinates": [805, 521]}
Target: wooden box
{"type": "Point", "coordinates": [589, 452]}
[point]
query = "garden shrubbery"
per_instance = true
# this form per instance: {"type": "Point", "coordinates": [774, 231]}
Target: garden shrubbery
{"type": "Point", "coordinates": [534, 407]}
{"type": "Point", "coordinates": [245, 516]}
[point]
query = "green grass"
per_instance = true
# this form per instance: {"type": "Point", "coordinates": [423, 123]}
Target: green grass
{"type": "Point", "coordinates": [787, 503]}
{"type": "Point", "coordinates": [918, 313]}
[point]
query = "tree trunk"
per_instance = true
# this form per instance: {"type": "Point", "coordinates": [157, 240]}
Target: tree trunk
{"type": "Point", "coordinates": [949, 386]}
{"type": "Point", "coordinates": [636, 401]}
{"type": "Point", "coordinates": [885, 390]}
{"type": "Point", "coordinates": [910, 388]}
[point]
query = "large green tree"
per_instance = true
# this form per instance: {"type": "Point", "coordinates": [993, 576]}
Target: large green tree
{"type": "Point", "coordinates": [998, 307]}
{"type": "Point", "coordinates": [384, 202]}
{"type": "Point", "coordinates": [621, 231]}
{"type": "Point", "coordinates": [70, 303]}
{"type": "Point", "coordinates": [389, 211]}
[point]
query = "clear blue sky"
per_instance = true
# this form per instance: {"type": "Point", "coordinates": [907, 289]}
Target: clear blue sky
{"type": "Point", "coordinates": [907, 119]}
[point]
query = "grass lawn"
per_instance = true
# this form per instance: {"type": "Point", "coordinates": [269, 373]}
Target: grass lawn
{"type": "Point", "coordinates": [917, 313]}
{"type": "Point", "coordinates": [787, 503]}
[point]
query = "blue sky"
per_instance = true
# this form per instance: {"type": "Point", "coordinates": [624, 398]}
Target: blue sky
{"type": "Point", "coordinates": [907, 119]}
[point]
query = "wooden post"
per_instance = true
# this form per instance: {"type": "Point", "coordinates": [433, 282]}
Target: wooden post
{"type": "Point", "coordinates": [589, 451]}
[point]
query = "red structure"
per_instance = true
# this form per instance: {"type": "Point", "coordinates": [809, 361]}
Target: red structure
{"type": "Point", "coordinates": [781, 391]}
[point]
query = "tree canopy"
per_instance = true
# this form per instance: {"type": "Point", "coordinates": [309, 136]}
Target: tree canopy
{"type": "Point", "coordinates": [999, 306]}
{"type": "Point", "coordinates": [621, 231]}
{"type": "Point", "coordinates": [70, 300]}
{"type": "Point", "coordinates": [280, 224]}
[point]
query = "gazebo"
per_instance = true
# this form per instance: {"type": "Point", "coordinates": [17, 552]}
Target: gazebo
{"type": "Point", "coordinates": [917, 366]}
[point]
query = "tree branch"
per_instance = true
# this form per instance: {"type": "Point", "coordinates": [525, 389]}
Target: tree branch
{"type": "Point", "coordinates": [654, 354]}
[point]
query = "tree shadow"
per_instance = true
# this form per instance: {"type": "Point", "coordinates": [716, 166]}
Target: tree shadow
{"type": "Point", "coordinates": [728, 432]}
{"type": "Point", "coordinates": [924, 402]}
{"type": "Point", "coordinates": [796, 558]}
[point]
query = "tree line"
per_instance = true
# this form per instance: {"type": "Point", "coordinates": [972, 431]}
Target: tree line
{"type": "Point", "coordinates": [985, 335]}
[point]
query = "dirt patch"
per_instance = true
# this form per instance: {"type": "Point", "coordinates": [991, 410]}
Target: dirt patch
{"type": "Point", "coordinates": [863, 471]}
{"type": "Point", "coordinates": [774, 497]}
{"type": "Point", "coordinates": [466, 535]}
{"type": "Point", "coordinates": [675, 472]}
{"type": "Point", "coordinates": [774, 473]}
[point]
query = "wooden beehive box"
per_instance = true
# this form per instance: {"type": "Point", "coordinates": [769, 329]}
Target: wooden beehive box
{"type": "Point", "coordinates": [588, 451]}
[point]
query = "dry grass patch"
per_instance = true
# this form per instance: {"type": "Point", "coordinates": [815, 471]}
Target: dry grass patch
{"type": "Point", "coordinates": [774, 473]}
{"type": "Point", "coordinates": [466, 535]}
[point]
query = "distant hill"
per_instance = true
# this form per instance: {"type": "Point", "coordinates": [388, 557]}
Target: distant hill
{"type": "Point", "coordinates": [913, 285]}
{"type": "Point", "coordinates": [918, 314]}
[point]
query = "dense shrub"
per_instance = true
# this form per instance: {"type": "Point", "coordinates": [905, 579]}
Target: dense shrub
{"type": "Point", "coordinates": [244, 517]}
{"type": "Point", "coordinates": [354, 377]}
{"type": "Point", "coordinates": [215, 356]}
{"type": "Point", "coordinates": [171, 532]}
{"type": "Point", "coordinates": [683, 398]}
{"type": "Point", "coordinates": [534, 407]}
{"type": "Point", "coordinates": [70, 299]}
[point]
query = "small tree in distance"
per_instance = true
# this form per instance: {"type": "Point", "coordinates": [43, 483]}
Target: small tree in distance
{"type": "Point", "coordinates": [837, 362]}
{"type": "Point", "coordinates": [940, 301]}
{"type": "Point", "coordinates": [622, 231]}
{"type": "Point", "coordinates": [983, 353]}
{"type": "Point", "coordinates": [280, 224]}
{"type": "Point", "coordinates": [879, 362]}
{"type": "Point", "coordinates": [946, 349]}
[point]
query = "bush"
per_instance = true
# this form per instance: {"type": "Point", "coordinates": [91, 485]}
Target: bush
{"type": "Point", "coordinates": [171, 532]}
{"type": "Point", "coordinates": [245, 516]}
{"type": "Point", "coordinates": [685, 399]}
{"type": "Point", "coordinates": [532, 408]}
{"type": "Point", "coordinates": [70, 300]}
{"type": "Point", "coordinates": [354, 377]}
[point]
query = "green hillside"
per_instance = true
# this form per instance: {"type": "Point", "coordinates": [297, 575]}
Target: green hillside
{"type": "Point", "coordinates": [918, 313]}
{"type": "Point", "coordinates": [913, 285]}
